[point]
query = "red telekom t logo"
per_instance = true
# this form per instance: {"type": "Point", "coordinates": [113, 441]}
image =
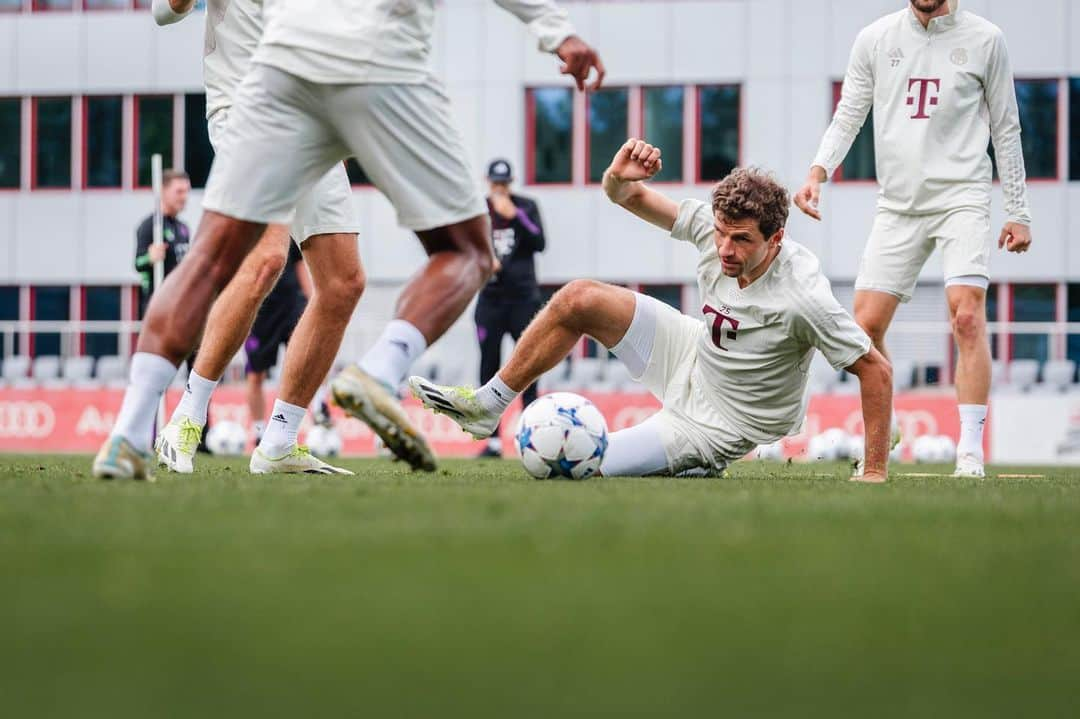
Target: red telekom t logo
{"type": "Point", "coordinates": [925, 98]}
{"type": "Point", "coordinates": [718, 326]}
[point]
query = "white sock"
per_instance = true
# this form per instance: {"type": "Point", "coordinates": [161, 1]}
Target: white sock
{"type": "Point", "coordinates": [972, 421]}
{"type": "Point", "coordinates": [196, 398]}
{"type": "Point", "coordinates": [148, 379]}
{"type": "Point", "coordinates": [282, 429]}
{"type": "Point", "coordinates": [495, 396]}
{"type": "Point", "coordinates": [397, 348]}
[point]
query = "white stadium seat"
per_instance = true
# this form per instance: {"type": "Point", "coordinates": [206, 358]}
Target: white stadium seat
{"type": "Point", "coordinates": [903, 374]}
{"type": "Point", "coordinates": [1057, 376]}
{"type": "Point", "coordinates": [1022, 374]}
{"type": "Point", "coordinates": [112, 370]}
{"type": "Point", "coordinates": [77, 370]}
{"type": "Point", "coordinates": [46, 368]}
{"type": "Point", "coordinates": [16, 372]}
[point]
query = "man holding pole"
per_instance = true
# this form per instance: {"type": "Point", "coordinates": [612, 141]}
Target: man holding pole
{"type": "Point", "coordinates": [175, 238]}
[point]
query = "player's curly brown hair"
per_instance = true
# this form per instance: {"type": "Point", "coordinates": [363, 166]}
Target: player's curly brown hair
{"type": "Point", "coordinates": [750, 192]}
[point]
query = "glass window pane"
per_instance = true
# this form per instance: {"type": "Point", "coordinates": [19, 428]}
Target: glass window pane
{"type": "Point", "coordinates": [668, 294]}
{"type": "Point", "coordinates": [10, 141]}
{"type": "Point", "coordinates": [664, 128]}
{"type": "Point", "coordinates": [198, 153]}
{"type": "Point", "coordinates": [10, 5]}
{"type": "Point", "coordinates": [53, 4]}
{"type": "Point", "coordinates": [356, 174]}
{"type": "Point", "coordinates": [106, 4]}
{"type": "Point", "coordinates": [153, 134]}
{"type": "Point", "coordinates": [9, 312]}
{"type": "Point", "coordinates": [1074, 128]}
{"type": "Point", "coordinates": [859, 162]}
{"type": "Point", "coordinates": [608, 128]}
{"type": "Point", "coordinates": [102, 303]}
{"type": "Point", "coordinates": [1073, 315]}
{"type": "Point", "coordinates": [552, 123]}
{"type": "Point", "coordinates": [992, 315]}
{"type": "Point", "coordinates": [1038, 103]}
{"type": "Point", "coordinates": [718, 120]}
{"type": "Point", "coordinates": [52, 154]}
{"type": "Point", "coordinates": [1032, 303]}
{"type": "Point", "coordinates": [50, 303]}
{"type": "Point", "coordinates": [104, 133]}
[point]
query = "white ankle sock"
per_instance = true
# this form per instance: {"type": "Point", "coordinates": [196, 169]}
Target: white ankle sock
{"type": "Point", "coordinates": [282, 429]}
{"type": "Point", "coordinates": [196, 398]}
{"type": "Point", "coordinates": [495, 396]}
{"type": "Point", "coordinates": [389, 360]}
{"type": "Point", "coordinates": [148, 379]}
{"type": "Point", "coordinates": [972, 421]}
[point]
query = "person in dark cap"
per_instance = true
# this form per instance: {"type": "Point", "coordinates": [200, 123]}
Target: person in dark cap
{"type": "Point", "coordinates": [510, 299]}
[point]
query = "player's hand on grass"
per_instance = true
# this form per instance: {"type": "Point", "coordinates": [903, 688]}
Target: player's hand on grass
{"type": "Point", "coordinates": [807, 198]}
{"type": "Point", "coordinates": [1015, 237]}
{"type": "Point", "coordinates": [636, 160]}
{"type": "Point", "coordinates": [578, 61]}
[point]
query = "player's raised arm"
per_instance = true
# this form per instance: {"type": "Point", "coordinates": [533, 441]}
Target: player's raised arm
{"type": "Point", "coordinates": [167, 12]}
{"type": "Point", "coordinates": [635, 162]}
{"type": "Point", "coordinates": [856, 99]}
{"type": "Point", "coordinates": [551, 26]}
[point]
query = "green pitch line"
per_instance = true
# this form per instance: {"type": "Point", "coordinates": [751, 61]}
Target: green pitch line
{"type": "Point", "coordinates": [783, 591]}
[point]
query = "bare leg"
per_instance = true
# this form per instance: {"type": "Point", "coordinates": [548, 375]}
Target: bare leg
{"type": "Point", "coordinates": [255, 399]}
{"type": "Point", "coordinates": [234, 312]}
{"type": "Point", "coordinates": [583, 307]}
{"type": "Point", "coordinates": [967, 311]}
{"type": "Point", "coordinates": [178, 311]}
{"type": "Point", "coordinates": [460, 261]}
{"type": "Point", "coordinates": [334, 263]}
{"type": "Point", "coordinates": [874, 312]}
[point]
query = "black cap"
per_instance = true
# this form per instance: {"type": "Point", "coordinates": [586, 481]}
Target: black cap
{"type": "Point", "coordinates": [500, 171]}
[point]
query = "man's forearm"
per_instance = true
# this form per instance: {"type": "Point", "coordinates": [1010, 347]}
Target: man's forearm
{"type": "Point", "coordinates": [621, 192]}
{"type": "Point", "coordinates": [875, 386]}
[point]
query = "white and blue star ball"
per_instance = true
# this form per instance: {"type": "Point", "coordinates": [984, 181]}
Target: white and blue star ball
{"type": "Point", "coordinates": [562, 435]}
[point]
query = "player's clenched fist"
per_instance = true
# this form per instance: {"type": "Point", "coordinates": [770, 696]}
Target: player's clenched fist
{"type": "Point", "coordinates": [635, 160]}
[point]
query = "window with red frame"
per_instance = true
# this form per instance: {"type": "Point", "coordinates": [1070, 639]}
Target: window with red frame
{"type": "Point", "coordinates": [550, 123]}
{"type": "Point", "coordinates": [101, 303]}
{"type": "Point", "coordinates": [49, 303]}
{"type": "Point", "coordinates": [859, 164]}
{"type": "Point", "coordinates": [609, 118]}
{"type": "Point", "coordinates": [1037, 101]}
{"type": "Point", "coordinates": [47, 5]}
{"type": "Point", "coordinates": [51, 131]}
{"type": "Point", "coordinates": [1033, 303]}
{"type": "Point", "coordinates": [662, 126]}
{"type": "Point", "coordinates": [10, 142]}
{"type": "Point", "coordinates": [11, 5]}
{"type": "Point", "coordinates": [198, 152]}
{"type": "Point", "coordinates": [718, 131]}
{"type": "Point", "coordinates": [103, 129]}
{"type": "Point", "coordinates": [153, 134]}
{"type": "Point", "coordinates": [9, 312]}
{"type": "Point", "coordinates": [106, 4]}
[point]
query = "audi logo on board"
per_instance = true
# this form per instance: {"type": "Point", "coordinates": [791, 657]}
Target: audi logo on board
{"type": "Point", "coordinates": [26, 420]}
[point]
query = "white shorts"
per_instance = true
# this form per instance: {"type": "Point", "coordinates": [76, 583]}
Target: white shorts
{"type": "Point", "coordinates": [286, 132]}
{"type": "Point", "coordinates": [693, 434]}
{"type": "Point", "coordinates": [900, 244]}
{"type": "Point", "coordinates": [326, 209]}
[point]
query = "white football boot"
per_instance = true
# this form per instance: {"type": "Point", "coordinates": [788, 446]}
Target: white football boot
{"type": "Point", "coordinates": [366, 398]}
{"type": "Point", "coordinates": [969, 465]}
{"type": "Point", "coordinates": [298, 460]}
{"type": "Point", "coordinates": [118, 459]}
{"type": "Point", "coordinates": [457, 403]}
{"type": "Point", "coordinates": [177, 444]}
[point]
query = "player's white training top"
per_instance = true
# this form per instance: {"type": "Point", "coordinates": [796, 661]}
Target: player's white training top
{"type": "Point", "coordinates": [939, 95]}
{"type": "Point", "coordinates": [375, 41]}
{"type": "Point", "coordinates": [233, 28]}
{"type": "Point", "coordinates": [754, 352]}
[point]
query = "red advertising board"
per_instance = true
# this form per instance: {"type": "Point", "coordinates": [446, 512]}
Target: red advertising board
{"type": "Point", "coordinates": [78, 420]}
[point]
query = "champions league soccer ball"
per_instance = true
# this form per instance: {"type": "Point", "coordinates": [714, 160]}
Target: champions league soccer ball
{"type": "Point", "coordinates": [562, 435]}
{"type": "Point", "coordinates": [323, 441]}
{"type": "Point", "coordinates": [226, 439]}
{"type": "Point", "coordinates": [934, 449]}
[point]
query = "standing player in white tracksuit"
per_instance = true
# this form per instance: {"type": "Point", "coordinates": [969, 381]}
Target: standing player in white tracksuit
{"type": "Point", "coordinates": [325, 228]}
{"type": "Point", "coordinates": [941, 88]}
{"type": "Point", "coordinates": [344, 78]}
{"type": "Point", "coordinates": [731, 376]}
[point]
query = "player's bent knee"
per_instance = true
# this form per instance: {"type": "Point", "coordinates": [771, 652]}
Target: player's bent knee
{"type": "Point", "coordinates": [966, 326]}
{"type": "Point", "coordinates": [582, 297]}
{"type": "Point", "coordinates": [346, 288]}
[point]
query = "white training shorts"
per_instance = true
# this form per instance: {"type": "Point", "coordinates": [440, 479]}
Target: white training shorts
{"type": "Point", "coordinates": [900, 244]}
{"type": "Point", "coordinates": [325, 209]}
{"type": "Point", "coordinates": [286, 132]}
{"type": "Point", "coordinates": [660, 349]}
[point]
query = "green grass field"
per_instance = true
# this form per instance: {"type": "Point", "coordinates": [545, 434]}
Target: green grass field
{"type": "Point", "coordinates": [782, 592]}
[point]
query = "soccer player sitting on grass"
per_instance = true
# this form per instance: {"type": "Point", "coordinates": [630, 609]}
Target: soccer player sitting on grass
{"type": "Point", "coordinates": [730, 378]}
